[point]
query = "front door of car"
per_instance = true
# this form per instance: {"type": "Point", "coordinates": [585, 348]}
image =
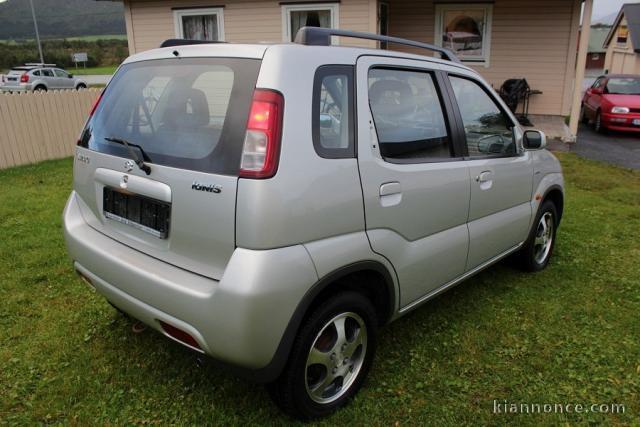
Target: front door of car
{"type": "Point", "coordinates": [63, 81]}
{"type": "Point", "coordinates": [415, 184]}
{"type": "Point", "coordinates": [500, 172]}
{"type": "Point", "coordinates": [593, 97]}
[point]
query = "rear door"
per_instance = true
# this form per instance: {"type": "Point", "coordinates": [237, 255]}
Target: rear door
{"type": "Point", "coordinates": [50, 78]}
{"type": "Point", "coordinates": [187, 119]}
{"type": "Point", "coordinates": [501, 172]}
{"type": "Point", "coordinates": [415, 183]}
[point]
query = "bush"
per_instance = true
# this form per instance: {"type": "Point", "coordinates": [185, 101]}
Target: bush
{"type": "Point", "coordinates": [101, 52]}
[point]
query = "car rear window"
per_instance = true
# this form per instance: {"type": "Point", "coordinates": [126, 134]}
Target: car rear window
{"type": "Point", "coordinates": [185, 113]}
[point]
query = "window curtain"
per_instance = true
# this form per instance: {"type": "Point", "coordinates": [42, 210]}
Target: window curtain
{"type": "Point", "coordinates": [309, 18]}
{"type": "Point", "coordinates": [200, 27]}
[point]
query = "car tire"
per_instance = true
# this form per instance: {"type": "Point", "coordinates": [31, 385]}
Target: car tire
{"type": "Point", "coordinates": [583, 116]}
{"type": "Point", "coordinates": [538, 248]}
{"type": "Point", "coordinates": [306, 390]}
{"type": "Point", "coordinates": [81, 86]}
{"type": "Point", "coordinates": [597, 123]}
{"type": "Point", "coordinates": [40, 88]}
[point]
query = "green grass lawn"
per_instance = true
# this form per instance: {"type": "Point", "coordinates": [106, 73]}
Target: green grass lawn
{"type": "Point", "coordinates": [570, 334]}
{"type": "Point", "coordinates": [92, 70]}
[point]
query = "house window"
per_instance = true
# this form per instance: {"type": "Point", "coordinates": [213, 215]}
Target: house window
{"type": "Point", "coordinates": [466, 30]}
{"type": "Point", "coordinates": [199, 24]}
{"type": "Point", "coordinates": [297, 16]}
{"type": "Point", "coordinates": [623, 35]}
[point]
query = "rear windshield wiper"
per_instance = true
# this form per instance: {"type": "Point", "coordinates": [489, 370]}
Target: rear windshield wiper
{"type": "Point", "coordinates": [140, 162]}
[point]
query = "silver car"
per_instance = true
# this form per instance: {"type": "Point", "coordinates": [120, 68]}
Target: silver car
{"type": "Point", "coordinates": [272, 206]}
{"type": "Point", "coordinates": [39, 77]}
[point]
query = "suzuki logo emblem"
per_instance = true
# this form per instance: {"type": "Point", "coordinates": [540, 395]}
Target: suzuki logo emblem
{"type": "Point", "coordinates": [129, 165]}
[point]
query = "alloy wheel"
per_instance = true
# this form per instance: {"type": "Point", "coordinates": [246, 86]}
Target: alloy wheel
{"type": "Point", "coordinates": [336, 357]}
{"type": "Point", "coordinates": [544, 238]}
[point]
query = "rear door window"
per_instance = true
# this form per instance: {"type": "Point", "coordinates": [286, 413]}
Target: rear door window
{"type": "Point", "coordinates": [408, 115]}
{"type": "Point", "coordinates": [185, 113]}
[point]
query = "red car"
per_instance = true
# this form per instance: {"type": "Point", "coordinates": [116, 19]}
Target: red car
{"type": "Point", "coordinates": [613, 102]}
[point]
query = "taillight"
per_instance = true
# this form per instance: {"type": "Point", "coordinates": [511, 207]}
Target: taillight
{"type": "Point", "coordinates": [261, 150]}
{"type": "Point", "coordinates": [24, 78]}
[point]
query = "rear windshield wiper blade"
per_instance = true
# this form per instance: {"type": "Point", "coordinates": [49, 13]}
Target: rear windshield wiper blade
{"type": "Point", "coordinates": [140, 162]}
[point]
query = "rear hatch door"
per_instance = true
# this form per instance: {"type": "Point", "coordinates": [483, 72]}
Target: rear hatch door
{"type": "Point", "coordinates": [185, 118]}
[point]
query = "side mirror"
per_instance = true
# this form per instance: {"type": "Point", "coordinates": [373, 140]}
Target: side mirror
{"type": "Point", "coordinates": [597, 91]}
{"type": "Point", "coordinates": [70, 76]}
{"type": "Point", "coordinates": [534, 140]}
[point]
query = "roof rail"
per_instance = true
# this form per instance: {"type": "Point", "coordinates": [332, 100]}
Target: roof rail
{"type": "Point", "coordinates": [38, 64]}
{"type": "Point", "coordinates": [316, 36]}
{"type": "Point", "coordinates": [184, 42]}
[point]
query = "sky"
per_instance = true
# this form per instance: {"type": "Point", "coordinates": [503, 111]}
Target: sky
{"type": "Point", "coordinates": [607, 7]}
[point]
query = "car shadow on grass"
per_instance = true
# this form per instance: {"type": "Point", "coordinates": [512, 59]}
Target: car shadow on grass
{"type": "Point", "coordinates": [428, 332]}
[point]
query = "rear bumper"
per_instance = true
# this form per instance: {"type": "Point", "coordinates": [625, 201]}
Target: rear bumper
{"type": "Point", "coordinates": [240, 319]}
{"type": "Point", "coordinates": [621, 122]}
{"type": "Point", "coordinates": [18, 88]}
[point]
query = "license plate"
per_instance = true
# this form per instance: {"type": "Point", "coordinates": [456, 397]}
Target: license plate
{"type": "Point", "coordinates": [146, 214]}
{"type": "Point", "coordinates": [636, 122]}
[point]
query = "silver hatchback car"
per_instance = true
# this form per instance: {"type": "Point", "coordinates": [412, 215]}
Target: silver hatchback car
{"type": "Point", "coordinates": [39, 77]}
{"type": "Point", "coordinates": [272, 206]}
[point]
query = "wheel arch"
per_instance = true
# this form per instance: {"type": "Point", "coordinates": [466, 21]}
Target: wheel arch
{"type": "Point", "coordinates": [350, 277]}
{"type": "Point", "coordinates": [556, 195]}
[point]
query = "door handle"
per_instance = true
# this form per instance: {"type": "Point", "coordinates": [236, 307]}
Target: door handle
{"type": "Point", "coordinates": [390, 188]}
{"type": "Point", "coordinates": [484, 176]}
{"type": "Point", "coordinates": [390, 194]}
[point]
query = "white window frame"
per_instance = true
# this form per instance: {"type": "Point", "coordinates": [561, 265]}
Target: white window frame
{"type": "Point", "coordinates": [200, 11]}
{"type": "Point", "coordinates": [486, 37]}
{"type": "Point", "coordinates": [333, 8]}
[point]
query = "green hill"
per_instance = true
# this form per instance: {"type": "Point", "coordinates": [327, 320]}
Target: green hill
{"type": "Point", "coordinates": [60, 18]}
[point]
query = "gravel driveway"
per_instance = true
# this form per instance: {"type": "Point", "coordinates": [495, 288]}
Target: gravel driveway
{"type": "Point", "coordinates": [618, 148]}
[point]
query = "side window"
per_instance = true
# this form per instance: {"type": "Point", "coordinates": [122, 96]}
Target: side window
{"type": "Point", "coordinates": [47, 73]}
{"type": "Point", "coordinates": [408, 115]}
{"type": "Point", "coordinates": [332, 124]}
{"type": "Point", "coordinates": [36, 72]}
{"type": "Point", "coordinates": [597, 83]}
{"type": "Point", "coordinates": [60, 73]}
{"type": "Point", "coordinates": [488, 129]}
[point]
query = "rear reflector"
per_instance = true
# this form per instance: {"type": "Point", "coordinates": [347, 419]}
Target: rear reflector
{"type": "Point", "coordinates": [261, 150]}
{"type": "Point", "coordinates": [179, 335]}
